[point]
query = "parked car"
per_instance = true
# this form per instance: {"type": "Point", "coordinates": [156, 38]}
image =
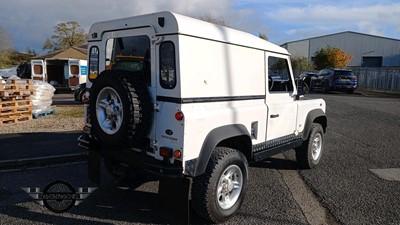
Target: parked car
{"type": "Point", "coordinates": [80, 91]}
{"type": "Point", "coordinates": [334, 80]}
{"type": "Point", "coordinates": [304, 81]}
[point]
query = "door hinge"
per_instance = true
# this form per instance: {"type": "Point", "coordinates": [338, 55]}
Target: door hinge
{"type": "Point", "coordinates": [157, 40]}
{"type": "Point", "coordinates": [156, 107]}
{"type": "Point", "coordinates": [153, 144]}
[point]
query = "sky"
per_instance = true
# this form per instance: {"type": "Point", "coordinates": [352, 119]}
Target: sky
{"type": "Point", "coordinates": [31, 22]}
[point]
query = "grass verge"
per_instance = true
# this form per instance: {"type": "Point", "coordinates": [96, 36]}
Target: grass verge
{"type": "Point", "coordinates": [66, 111]}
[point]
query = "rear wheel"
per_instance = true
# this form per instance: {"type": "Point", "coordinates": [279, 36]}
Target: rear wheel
{"type": "Point", "coordinates": [218, 193]}
{"type": "Point", "coordinates": [325, 88]}
{"type": "Point", "coordinates": [82, 95]}
{"type": "Point", "coordinates": [114, 168]}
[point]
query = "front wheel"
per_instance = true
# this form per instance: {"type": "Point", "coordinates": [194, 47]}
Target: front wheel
{"type": "Point", "coordinates": [309, 153]}
{"type": "Point", "coordinates": [218, 193]}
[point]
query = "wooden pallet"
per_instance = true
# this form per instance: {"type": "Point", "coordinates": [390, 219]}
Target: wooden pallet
{"type": "Point", "coordinates": [15, 118]}
{"type": "Point", "coordinates": [15, 103]}
{"type": "Point", "coordinates": [16, 88]}
{"type": "Point", "coordinates": [16, 85]}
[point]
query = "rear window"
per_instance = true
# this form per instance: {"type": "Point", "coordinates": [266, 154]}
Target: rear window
{"type": "Point", "coordinates": [74, 69]}
{"type": "Point", "coordinates": [341, 72]}
{"type": "Point", "coordinates": [128, 53]}
{"type": "Point", "coordinates": [37, 69]}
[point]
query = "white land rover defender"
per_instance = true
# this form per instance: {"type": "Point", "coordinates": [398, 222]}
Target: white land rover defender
{"type": "Point", "coordinates": [193, 102]}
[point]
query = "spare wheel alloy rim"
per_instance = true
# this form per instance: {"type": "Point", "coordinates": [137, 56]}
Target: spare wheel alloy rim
{"type": "Point", "coordinates": [109, 110]}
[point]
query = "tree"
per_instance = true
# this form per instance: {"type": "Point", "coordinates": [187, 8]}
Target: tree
{"type": "Point", "coordinates": [30, 51]}
{"type": "Point", "coordinates": [331, 57]}
{"type": "Point", "coordinates": [5, 60]}
{"type": "Point", "coordinates": [211, 19]}
{"type": "Point", "coordinates": [66, 35]}
{"type": "Point", "coordinates": [263, 36]}
{"type": "Point", "coordinates": [5, 48]}
{"type": "Point", "coordinates": [301, 64]}
{"type": "Point", "coordinates": [5, 40]}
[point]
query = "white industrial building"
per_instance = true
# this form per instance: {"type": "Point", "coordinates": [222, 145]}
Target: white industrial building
{"type": "Point", "coordinates": [367, 50]}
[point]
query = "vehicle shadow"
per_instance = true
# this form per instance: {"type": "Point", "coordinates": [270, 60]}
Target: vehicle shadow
{"type": "Point", "coordinates": [134, 200]}
{"type": "Point", "coordinates": [42, 144]}
{"type": "Point", "coordinates": [277, 163]}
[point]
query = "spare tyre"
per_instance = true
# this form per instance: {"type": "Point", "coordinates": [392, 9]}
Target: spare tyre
{"type": "Point", "coordinates": [120, 109]}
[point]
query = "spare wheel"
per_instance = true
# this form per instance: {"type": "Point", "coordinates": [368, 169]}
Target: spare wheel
{"type": "Point", "coordinates": [120, 109]}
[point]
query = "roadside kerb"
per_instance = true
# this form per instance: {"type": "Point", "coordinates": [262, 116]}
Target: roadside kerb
{"type": "Point", "coordinates": [41, 161]}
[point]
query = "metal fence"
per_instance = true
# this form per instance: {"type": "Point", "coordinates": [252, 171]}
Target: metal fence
{"type": "Point", "coordinates": [383, 78]}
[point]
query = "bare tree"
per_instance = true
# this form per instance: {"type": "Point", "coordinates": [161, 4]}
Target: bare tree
{"type": "Point", "coordinates": [211, 19]}
{"type": "Point", "coordinates": [263, 36]}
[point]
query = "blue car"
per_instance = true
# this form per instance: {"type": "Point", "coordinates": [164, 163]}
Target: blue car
{"type": "Point", "coordinates": [328, 80]}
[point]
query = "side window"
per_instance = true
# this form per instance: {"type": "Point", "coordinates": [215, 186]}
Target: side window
{"type": "Point", "coordinates": [279, 79]}
{"type": "Point", "coordinates": [167, 65]}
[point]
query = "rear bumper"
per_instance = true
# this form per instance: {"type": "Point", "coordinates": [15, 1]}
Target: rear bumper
{"type": "Point", "coordinates": [135, 159]}
{"type": "Point", "coordinates": [344, 87]}
{"type": "Point", "coordinates": [173, 186]}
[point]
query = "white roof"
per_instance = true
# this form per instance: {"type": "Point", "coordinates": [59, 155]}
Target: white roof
{"type": "Point", "coordinates": [179, 24]}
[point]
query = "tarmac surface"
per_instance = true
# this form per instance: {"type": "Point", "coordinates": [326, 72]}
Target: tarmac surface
{"type": "Point", "coordinates": [346, 188]}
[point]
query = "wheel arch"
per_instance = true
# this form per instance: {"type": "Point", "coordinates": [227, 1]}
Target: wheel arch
{"type": "Point", "coordinates": [315, 116]}
{"type": "Point", "coordinates": [234, 136]}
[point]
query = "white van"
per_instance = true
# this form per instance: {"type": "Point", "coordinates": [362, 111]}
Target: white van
{"type": "Point", "coordinates": [60, 72]}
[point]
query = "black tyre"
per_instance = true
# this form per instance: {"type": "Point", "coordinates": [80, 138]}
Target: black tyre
{"type": "Point", "coordinates": [82, 94]}
{"type": "Point", "coordinates": [122, 172]}
{"type": "Point", "coordinates": [114, 169]}
{"type": "Point", "coordinates": [309, 154]}
{"type": "Point", "coordinates": [325, 88]}
{"type": "Point", "coordinates": [306, 89]}
{"type": "Point", "coordinates": [120, 109]}
{"type": "Point", "coordinates": [218, 193]}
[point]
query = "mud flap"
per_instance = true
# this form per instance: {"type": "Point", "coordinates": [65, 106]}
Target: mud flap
{"type": "Point", "coordinates": [94, 162]}
{"type": "Point", "coordinates": [174, 199]}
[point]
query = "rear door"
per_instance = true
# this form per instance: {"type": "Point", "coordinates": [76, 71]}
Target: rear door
{"type": "Point", "coordinates": [83, 71]}
{"type": "Point", "coordinates": [73, 72]}
{"type": "Point", "coordinates": [132, 50]}
{"type": "Point", "coordinates": [38, 69]}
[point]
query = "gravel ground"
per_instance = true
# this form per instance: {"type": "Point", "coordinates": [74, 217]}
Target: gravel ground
{"type": "Point", "coordinates": [66, 118]}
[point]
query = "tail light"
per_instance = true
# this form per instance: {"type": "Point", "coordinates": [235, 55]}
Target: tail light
{"type": "Point", "coordinates": [177, 154]}
{"type": "Point", "coordinates": [166, 152]}
{"type": "Point", "coordinates": [179, 116]}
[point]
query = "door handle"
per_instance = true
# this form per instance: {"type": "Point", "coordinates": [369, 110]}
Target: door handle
{"type": "Point", "coordinates": [274, 116]}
